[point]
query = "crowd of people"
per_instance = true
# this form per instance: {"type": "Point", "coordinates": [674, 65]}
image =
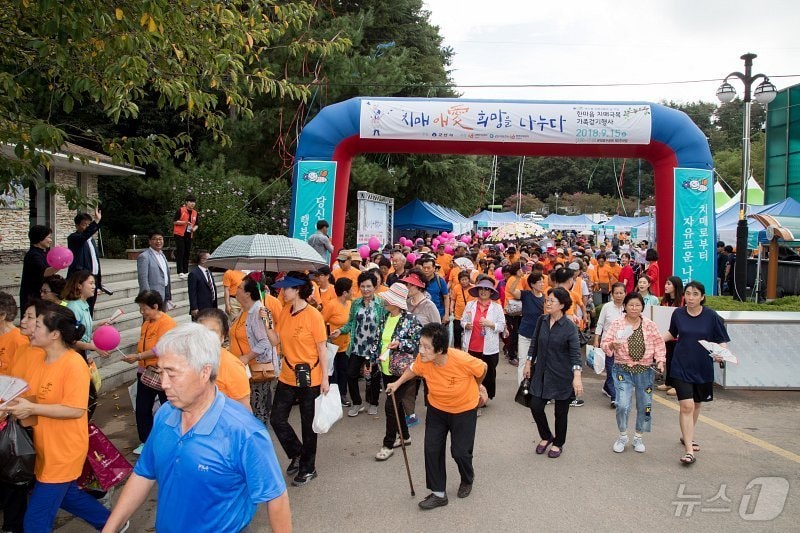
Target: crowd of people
{"type": "Point", "coordinates": [404, 319]}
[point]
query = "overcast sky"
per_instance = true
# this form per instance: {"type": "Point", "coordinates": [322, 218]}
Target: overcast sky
{"type": "Point", "coordinates": [510, 42]}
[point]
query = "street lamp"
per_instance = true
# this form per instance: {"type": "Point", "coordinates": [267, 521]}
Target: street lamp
{"type": "Point", "coordinates": [764, 94]}
{"type": "Point", "coordinates": [556, 195]}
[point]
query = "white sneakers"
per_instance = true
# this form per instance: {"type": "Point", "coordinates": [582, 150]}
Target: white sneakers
{"type": "Point", "coordinates": [384, 453]}
{"type": "Point", "coordinates": [620, 443]}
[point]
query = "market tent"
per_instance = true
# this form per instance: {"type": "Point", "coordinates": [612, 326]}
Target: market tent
{"type": "Point", "coordinates": [728, 220]}
{"type": "Point", "coordinates": [490, 219]}
{"type": "Point", "coordinates": [755, 196]}
{"type": "Point", "coordinates": [621, 223]}
{"type": "Point", "coordinates": [576, 222]}
{"type": "Point", "coordinates": [720, 196]}
{"type": "Point", "coordinates": [419, 215]}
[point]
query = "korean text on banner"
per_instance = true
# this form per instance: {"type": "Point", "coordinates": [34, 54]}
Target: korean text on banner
{"type": "Point", "coordinates": [523, 122]}
{"type": "Point", "coordinates": [694, 229]}
{"type": "Point", "coordinates": [315, 182]}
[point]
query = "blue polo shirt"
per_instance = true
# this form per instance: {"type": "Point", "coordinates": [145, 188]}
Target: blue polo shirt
{"type": "Point", "coordinates": [213, 477]}
{"type": "Point", "coordinates": [437, 289]}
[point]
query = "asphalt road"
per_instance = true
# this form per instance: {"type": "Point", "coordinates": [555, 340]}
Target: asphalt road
{"type": "Point", "coordinates": [746, 436]}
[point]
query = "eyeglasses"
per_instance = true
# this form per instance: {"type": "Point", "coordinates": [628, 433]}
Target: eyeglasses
{"type": "Point", "coordinates": [44, 291]}
{"type": "Point", "coordinates": [552, 301]}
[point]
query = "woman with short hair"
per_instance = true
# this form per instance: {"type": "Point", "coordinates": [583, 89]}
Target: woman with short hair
{"type": "Point", "coordinates": [554, 368]}
{"type": "Point", "coordinates": [637, 345]}
{"type": "Point", "coordinates": [154, 324]}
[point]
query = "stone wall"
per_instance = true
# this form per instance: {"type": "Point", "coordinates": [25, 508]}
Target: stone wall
{"type": "Point", "coordinates": [14, 223]}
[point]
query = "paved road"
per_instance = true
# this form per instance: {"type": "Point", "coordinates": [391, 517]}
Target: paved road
{"type": "Point", "coordinates": [746, 435]}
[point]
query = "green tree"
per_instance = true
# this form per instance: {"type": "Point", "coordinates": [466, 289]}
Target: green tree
{"type": "Point", "coordinates": [196, 59]}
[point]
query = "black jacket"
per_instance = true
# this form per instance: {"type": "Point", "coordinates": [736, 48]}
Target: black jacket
{"type": "Point", "coordinates": [79, 244]}
{"type": "Point", "coordinates": [555, 351]}
{"type": "Point", "coordinates": [201, 295]}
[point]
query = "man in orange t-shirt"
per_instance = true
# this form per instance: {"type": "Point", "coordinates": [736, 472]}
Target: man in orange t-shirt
{"type": "Point", "coordinates": [455, 393]}
{"type": "Point", "coordinates": [444, 260]}
{"type": "Point", "coordinates": [346, 270]}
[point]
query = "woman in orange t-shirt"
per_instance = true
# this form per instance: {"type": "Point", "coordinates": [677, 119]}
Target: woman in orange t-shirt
{"type": "Point", "coordinates": [156, 323]}
{"type": "Point", "coordinates": [232, 380]}
{"type": "Point", "coordinates": [60, 381]}
{"type": "Point", "coordinates": [11, 339]}
{"type": "Point", "coordinates": [454, 394]}
{"type": "Point", "coordinates": [335, 314]}
{"type": "Point", "coordinates": [300, 333]}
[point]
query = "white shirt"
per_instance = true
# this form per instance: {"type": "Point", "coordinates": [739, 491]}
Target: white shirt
{"type": "Point", "coordinates": [608, 314]}
{"type": "Point", "coordinates": [162, 263]}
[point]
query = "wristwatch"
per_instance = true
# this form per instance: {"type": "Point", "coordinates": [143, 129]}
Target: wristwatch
{"type": "Point", "coordinates": [579, 368]}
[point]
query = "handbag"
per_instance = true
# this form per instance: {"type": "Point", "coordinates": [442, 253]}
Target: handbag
{"type": "Point", "coordinates": [523, 396]}
{"type": "Point", "coordinates": [261, 372]}
{"type": "Point", "coordinates": [514, 305]}
{"type": "Point", "coordinates": [17, 454]}
{"type": "Point", "coordinates": [152, 378]}
{"type": "Point", "coordinates": [104, 467]}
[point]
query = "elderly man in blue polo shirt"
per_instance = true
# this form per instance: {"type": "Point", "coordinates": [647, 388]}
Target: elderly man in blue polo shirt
{"type": "Point", "coordinates": [213, 460]}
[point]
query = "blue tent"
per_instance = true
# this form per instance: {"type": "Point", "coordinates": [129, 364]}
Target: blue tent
{"type": "Point", "coordinates": [728, 220]}
{"type": "Point", "coordinates": [419, 215]}
{"type": "Point", "coordinates": [490, 219]}
{"type": "Point", "coordinates": [576, 222]}
{"type": "Point", "coordinates": [621, 223]}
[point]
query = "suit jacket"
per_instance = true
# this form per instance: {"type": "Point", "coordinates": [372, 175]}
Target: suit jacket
{"type": "Point", "coordinates": [79, 244]}
{"type": "Point", "coordinates": [151, 277]}
{"type": "Point", "coordinates": [201, 296]}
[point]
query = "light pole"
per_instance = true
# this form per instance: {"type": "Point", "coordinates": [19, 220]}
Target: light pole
{"type": "Point", "coordinates": [556, 195]}
{"type": "Point", "coordinates": [764, 94]}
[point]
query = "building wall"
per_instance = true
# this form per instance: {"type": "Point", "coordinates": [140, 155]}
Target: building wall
{"type": "Point", "coordinates": [14, 224]}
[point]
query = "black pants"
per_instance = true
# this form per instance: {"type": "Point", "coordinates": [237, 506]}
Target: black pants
{"type": "Point", "coordinates": [512, 323]}
{"type": "Point", "coordinates": [183, 247]}
{"type": "Point", "coordinates": [340, 373]}
{"type": "Point", "coordinates": [461, 427]}
{"type": "Point", "coordinates": [458, 333]}
{"type": "Point", "coordinates": [285, 396]}
{"type": "Point", "coordinates": [670, 353]}
{"type": "Point", "coordinates": [145, 400]}
{"type": "Point", "coordinates": [91, 301]}
{"type": "Point", "coordinates": [491, 371]}
{"type": "Point", "coordinates": [373, 382]}
{"type": "Point", "coordinates": [561, 414]}
{"type": "Point", "coordinates": [14, 504]}
{"type": "Point", "coordinates": [391, 421]}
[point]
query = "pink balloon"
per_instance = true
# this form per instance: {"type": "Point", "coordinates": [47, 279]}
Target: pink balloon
{"type": "Point", "coordinates": [502, 247]}
{"type": "Point", "coordinates": [466, 239]}
{"type": "Point", "coordinates": [435, 243]}
{"type": "Point", "coordinates": [59, 257]}
{"type": "Point", "coordinates": [106, 338]}
{"type": "Point", "coordinates": [498, 274]}
{"type": "Point", "coordinates": [404, 241]}
{"type": "Point", "coordinates": [448, 249]}
{"type": "Point", "coordinates": [411, 258]}
{"type": "Point", "coordinates": [374, 243]}
{"type": "Point", "coordinates": [363, 251]}
{"type": "Point", "coordinates": [487, 233]}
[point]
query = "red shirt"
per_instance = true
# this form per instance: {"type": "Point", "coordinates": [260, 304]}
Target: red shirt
{"type": "Point", "coordinates": [627, 274]}
{"type": "Point", "coordinates": [476, 339]}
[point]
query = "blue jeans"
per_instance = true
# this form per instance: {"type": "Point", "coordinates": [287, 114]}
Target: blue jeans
{"type": "Point", "coordinates": [46, 499]}
{"type": "Point", "coordinates": [608, 386]}
{"type": "Point", "coordinates": [625, 382]}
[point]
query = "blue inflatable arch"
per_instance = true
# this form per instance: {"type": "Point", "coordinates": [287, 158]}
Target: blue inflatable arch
{"type": "Point", "coordinates": [335, 134]}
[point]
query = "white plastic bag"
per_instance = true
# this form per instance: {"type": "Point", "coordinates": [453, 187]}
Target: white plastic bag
{"type": "Point", "coordinates": [327, 410]}
{"type": "Point", "coordinates": [595, 358]}
{"type": "Point", "coordinates": [332, 351]}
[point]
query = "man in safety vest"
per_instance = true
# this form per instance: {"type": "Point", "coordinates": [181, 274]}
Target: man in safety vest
{"type": "Point", "coordinates": [183, 229]}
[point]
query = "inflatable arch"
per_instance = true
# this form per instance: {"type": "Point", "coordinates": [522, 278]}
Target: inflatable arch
{"type": "Point", "coordinates": [665, 137]}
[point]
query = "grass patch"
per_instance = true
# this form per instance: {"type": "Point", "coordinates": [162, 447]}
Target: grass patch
{"type": "Point", "coordinates": [726, 303]}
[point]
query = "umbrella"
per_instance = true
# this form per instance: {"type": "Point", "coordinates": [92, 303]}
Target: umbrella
{"type": "Point", "coordinates": [517, 231]}
{"type": "Point", "coordinates": [271, 253]}
{"type": "Point", "coordinates": [586, 232]}
{"type": "Point", "coordinates": [464, 263]}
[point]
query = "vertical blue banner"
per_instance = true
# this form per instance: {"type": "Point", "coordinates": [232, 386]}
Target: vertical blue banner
{"type": "Point", "coordinates": [312, 197]}
{"type": "Point", "coordinates": [694, 249]}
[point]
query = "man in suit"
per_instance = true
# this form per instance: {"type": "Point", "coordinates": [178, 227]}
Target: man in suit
{"type": "Point", "coordinates": [153, 270]}
{"type": "Point", "coordinates": [202, 287]}
{"type": "Point", "coordinates": [84, 251]}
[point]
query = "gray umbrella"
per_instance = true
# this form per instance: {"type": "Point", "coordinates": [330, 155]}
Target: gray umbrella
{"type": "Point", "coordinates": [272, 253]}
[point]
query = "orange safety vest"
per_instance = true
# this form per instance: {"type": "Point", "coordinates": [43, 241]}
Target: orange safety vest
{"type": "Point", "coordinates": [180, 229]}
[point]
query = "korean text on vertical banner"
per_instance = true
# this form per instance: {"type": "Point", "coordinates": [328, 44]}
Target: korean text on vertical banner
{"type": "Point", "coordinates": [694, 227]}
{"type": "Point", "coordinates": [313, 196]}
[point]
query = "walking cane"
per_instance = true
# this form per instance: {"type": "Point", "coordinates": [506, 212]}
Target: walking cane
{"type": "Point", "coordinates": [402, 443]}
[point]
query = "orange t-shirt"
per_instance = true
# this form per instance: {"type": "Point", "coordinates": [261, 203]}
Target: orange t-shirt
{"type": "Point", "coordinates": [615, 270]}
{"type": "Point", "coordinates": [61, 444]}
{"type": "Point", "coordinates": [10, 342]}
{"type": "Point", "coordinates": [232, 376]}
{"type": "Point", "coordinates": [231, 279]}
{"type": "Point", "coordinates": [444, 261]}
{"type": "Point", "coordinates": [603, 274]}
{"type": "Point", "coordinates": [238, 335]}
{"type": "Point", "coordinates": [151, 332]}
{"type": "Point", "coordinates": [460, 296]}
{"type": "Point", "coordinates": [335, 315]}
{"type": "Point", "coordinates": [515, 283]}
{"type": "Point", "coordinates": [299, 334]}
{"type": "Point", "coordinates": [326, 296]}
{"type": "Point", "coordinates": [452, 388]}
{"type": "Point", "coordinates": [352, 274]}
